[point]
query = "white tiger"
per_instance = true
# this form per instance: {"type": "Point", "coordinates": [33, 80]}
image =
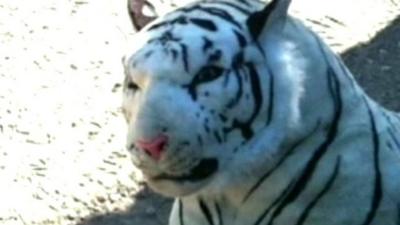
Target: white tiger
{"type": "Point", "coordinates": [247, 118]}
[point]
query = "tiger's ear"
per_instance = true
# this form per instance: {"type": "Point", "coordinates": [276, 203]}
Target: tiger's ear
{"type": "Point", "coordinates": [271, 17]}
{"type": "Point", "coordinates": [138, 14]}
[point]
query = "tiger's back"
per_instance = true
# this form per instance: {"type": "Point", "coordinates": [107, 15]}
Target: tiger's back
{"type": "Point", "coordinates": [291, 136]}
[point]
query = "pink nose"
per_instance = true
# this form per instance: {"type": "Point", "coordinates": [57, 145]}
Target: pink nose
{"type": "Point", "coordinates": [153, 147]}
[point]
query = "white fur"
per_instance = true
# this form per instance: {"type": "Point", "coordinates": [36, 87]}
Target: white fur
{"type": "Point", "coordinates": [305, 105]}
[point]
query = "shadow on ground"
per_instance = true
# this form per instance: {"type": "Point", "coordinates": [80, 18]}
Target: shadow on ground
{"type": "Point", "coordinates": [148, 209]}
{"type": "Point", "coordinates": [376, 65]}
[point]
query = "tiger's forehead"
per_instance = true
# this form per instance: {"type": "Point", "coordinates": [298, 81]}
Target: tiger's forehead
{"type": "Point", "coordinates": [185, 47]}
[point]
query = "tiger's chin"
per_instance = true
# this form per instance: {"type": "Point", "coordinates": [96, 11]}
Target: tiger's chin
{"type": "Point", "coordinates": [176, 186]}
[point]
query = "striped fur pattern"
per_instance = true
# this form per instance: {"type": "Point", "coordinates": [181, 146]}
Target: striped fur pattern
{"type": "Point", "coordinates": [266, 125]}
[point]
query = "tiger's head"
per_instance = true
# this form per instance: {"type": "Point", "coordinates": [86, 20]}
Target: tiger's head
{"type": "Point", "coordinates": [198, 95]}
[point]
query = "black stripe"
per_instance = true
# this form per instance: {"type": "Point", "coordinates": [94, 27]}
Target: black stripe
{"type": "Point", "coordinates": [226, 80]}
{"type": "Point", "coordinates": [234, 6]}
{"type": "Point", "coordinates": [206, 212]}
{"type": "Point", "coordinates": [377, 193]}
{"type": "Point", "coordinates": [199, 140]}
{"type": "Point", "coordinates": [277, 165]}
{"type": "Point", "coordinates": [223, 118]}
{"type": "Point", "coordinates": [346, 72]}
{"type": "Point", "coordinates": [185, 56]}
{"type": "Point", "coordinates": [219, 214]}
{"type": "Point", "coordinates": [167, 37]}
{"type": "Point", "coordinates": [244, 2]}
{"type": "Point", "coordinates": [241, 39]}
{"type": "Point", "coordinates": [271, 97]}
{"type": "Point", "coordinates": [148, 54]}
{"type": "Point", "coordinates": [232, 103]}
{"type": "Point", "coordinates": [311, 165]}
{"type": "Point", "coordinates": [215, 56]}
{"type": "Point", "coordinates": [180, 209]}
{"type": "Point", "coordinates": [205, 125]}
{"type": "Point", "coordinates": [207, 44]}
{"type": "Point", "coordinates": [274, 203]}
{"type": "Point", "coordinates": [396, 117]}
{"type": "Point", "coordinates": [392, 131]}
{"type": "Point", "coordinates": [256, 90]}
{"type": "Point", "coordinates": [246, 130]}
{"type": "Point", "coordinates": [205, 24]}
{"type": "Point", "coordinates": [326, 188]}
{"type": "Point", "coordinates": [174, 53]}
{"type": "Point", "coordinates": [217, 136]}
{"type": "Point", "coordinates": [158, 25]}
{"type": "Point", "coordinates": [179, 20]}
{"type": "Point", "coordinates": [245, 127]}
{"type": "Point", "coordinates": [238, 61]}
{"type": "Point", "coordinates": [390, 146]}
{"type": "Point", "coordinates": [394, 138]}
{"type": "Point", "coordinates": [220, 13]}
{"type": "Point", "coordinates": [392, 125]}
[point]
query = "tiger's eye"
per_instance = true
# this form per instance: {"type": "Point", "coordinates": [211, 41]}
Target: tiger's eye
{"type": "Point", "coordinates": [132, 86]}
{"type": "Point", "coordinates": [209, 73]}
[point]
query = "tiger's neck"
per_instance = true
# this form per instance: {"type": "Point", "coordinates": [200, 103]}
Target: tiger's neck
{"type": "Point", "coordinates": [331, 98]}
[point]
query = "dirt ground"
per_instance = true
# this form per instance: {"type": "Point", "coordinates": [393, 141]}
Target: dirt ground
{"type": "Point", "coordinates": [62, 157]}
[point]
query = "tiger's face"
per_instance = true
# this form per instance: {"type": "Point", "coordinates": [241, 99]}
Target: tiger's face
{"type": "Point", "coordinates": [188, 101]}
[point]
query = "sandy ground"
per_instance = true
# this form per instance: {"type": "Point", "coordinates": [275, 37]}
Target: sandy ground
{"type": "Point", "coordinates": [62, 157]}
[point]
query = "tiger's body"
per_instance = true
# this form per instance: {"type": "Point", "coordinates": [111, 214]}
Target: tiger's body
{"type": "Point", "coordinates": [248, 118]}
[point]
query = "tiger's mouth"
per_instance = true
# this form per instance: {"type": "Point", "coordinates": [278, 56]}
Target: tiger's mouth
{"type": "Point", "coordinates": [203, 170]}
